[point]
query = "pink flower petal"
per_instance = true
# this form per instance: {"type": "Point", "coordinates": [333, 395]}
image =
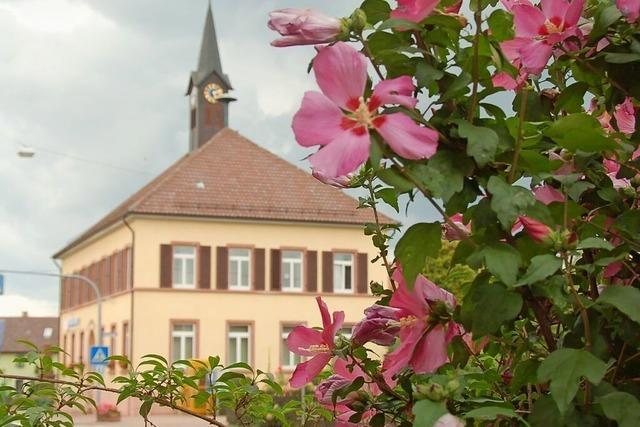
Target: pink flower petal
{"type": "Point", "coordinates": [535, 55]}
{"type": "Point", "coordinates": [394, 91]}
{"type": "Point", "coordinates": [318, 120]}
{"type": "Point", "coordinates": [406, 300]}
{"type": "Point", "coordinates": [406, 137]}
{"type": "Point", "coordinates": [625, 116]}
{"type": "Point", "coordinates": [343, 156]}
{"type": "Point", "coordinates": [630, 9]}
{"type": "Point", "coordinates": [414, 10]}
{"type": "Point", "coordinates": [554, 8]}
{"type": "Point", "coordinates": [574, 11]}
{"type": "Point", "coordinates": [329, 334]}
{"type": "Point", "coordinates": [431, 352]}
{"type": "Point", "coordinates": [399, 358]}
{"type": "Point", "coordinates": [504, 80]}
{"type": "Point", "coordinates": [306, 371]}
{"type": "Point", "coordinates": [303, 27]}
{"type": "Point", "coordinates": [341, 73]}
{"type": "Point", "coordinates": [527, 20]}
{"type": "Point", "coordinates": [324, 313]}
{"type": "Point", "coordinates": [301, 338]}
{"type": "Point", "coordinates": [547, 194]}
{"type": "Point", "coordinates": [427, 290]}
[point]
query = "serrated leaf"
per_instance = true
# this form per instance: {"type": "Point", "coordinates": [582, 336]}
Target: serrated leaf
{"type": "Point", "coordinates": [418, 242]}
{"type": "Point", "coordinates": [507, 201]}
{"type": "Point", "coordinates": [580, 132]}
{"type": "Point", "coordinates": [488, 305]}
{"type": "Point", "coordinates": [624, 298]}
{"type": "Point", "coordinates": [595, 243]}
{"type": "Point", "coordinates": [564, 369]}
{"type": "Point", "coordinates": [482, 142]}
{"type": "Point", "coordinates": [541, 267]}
{"type": "Point", "coordinates": [444, 173]}
{"type": "Point", "coordinates": [501, 24]}
{"type": "Point", "coordinates": [502, 261]}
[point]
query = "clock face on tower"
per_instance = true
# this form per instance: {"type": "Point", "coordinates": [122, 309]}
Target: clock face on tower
{"type": "Point", "coordinates": [213, 92]}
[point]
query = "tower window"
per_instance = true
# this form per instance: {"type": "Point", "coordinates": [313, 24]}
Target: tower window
{"type": "Point", "coordinates": [193, 118]}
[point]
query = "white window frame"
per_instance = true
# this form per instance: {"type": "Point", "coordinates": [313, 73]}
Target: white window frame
{"type": "Point", "coordinates": [290, 264]}
{"type": "Point", "coordinates": [291, 356]}
{"type": "Point", "coordinates": [239, 259]}
{"type": "Point", "coordinates": [183, 335]}
{"type": "Point", "coordinates": [184, 284]}
{"type": "Point", "coordinates": [338, 280]}
{"type": "Point", "coordinates": [238, 336]}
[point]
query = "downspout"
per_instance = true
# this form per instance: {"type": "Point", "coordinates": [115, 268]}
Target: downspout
{"type": "Point", "coordinates": [131, 271]}
{"type": "Point", "coordinates": [60, 279]}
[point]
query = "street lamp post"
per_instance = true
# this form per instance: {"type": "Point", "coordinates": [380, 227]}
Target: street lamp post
{"type": "Point", "coordinates": [89, 282]}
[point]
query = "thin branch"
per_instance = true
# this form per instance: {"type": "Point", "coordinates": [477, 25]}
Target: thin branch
{"type": "Point", "coordinates": [381, 236]}
{"type": "Point", "coordinates": [367, 51]}
{"type": "Point", "coordinates": [521, 116]}
{"type": "Point", "coordinates": [475, 64]}
{"type": "Point", "coordinates": [159, 401]}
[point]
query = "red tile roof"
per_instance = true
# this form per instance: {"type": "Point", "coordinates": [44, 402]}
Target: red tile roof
{"type": "Point", "coordinates": [232, 177]}
{"type": "Point", "coordinates": [27, 328]}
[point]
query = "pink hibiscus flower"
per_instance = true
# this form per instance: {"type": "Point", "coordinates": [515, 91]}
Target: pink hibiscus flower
{"type": "Point", "coordinates": [342, 377]}
{"type": "Point", "coordinates": [414, 10]}
{"type": "Point", "coordinates": [548, 194]}
{"type": "Point", "coordinates": [612, 168]}
{"type": "Point", "coordinates": [303, 27]}
{"type": "Point", "coordinates": [630, 9]}
{"type": "Point", "coordinates": [339, 119]}
{"type": "Point", "coordinates": [625, 115]}
{"type": "Point", "coordinates": [316, 344]}
{"type": "Point", "coordinates": [426, 328]}
{"type": "Point", "coordinates": [538, 30]}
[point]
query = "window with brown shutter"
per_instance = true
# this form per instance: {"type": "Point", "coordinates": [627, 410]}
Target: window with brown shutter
{"type": "Point", "coordinates": [258, 269]}
{"type": "Point", "coordinates": [327, 272]}
{"type": "Point", "coordinates": [311, 280]}
{"type": "Point", "coordinates": [222, 267]}
{"type": "Point", "coordinates": [204, 263]}
{"type": "Point", "coordinates": [362, 268]}
{"type": "Point", "coordinates": [166, 261]}
{"type": "Point", "coordinates": [275, 269]}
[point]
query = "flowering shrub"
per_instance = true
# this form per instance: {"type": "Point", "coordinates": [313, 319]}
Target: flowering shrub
{"type": "Point", "coordinates": [518, 127]}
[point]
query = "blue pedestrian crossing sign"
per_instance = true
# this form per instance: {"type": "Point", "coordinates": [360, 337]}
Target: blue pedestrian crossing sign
{"type": "Point", "coordinates": [98, 355]}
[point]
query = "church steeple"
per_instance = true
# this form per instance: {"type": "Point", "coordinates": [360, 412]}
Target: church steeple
{"type": "Point", "coordinates": [207, 91]}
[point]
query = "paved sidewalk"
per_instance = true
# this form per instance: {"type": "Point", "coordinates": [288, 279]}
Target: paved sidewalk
{"type": "Point", "coordinates": [158, 420]}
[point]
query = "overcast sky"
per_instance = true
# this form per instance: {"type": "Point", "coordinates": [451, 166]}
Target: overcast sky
{"type": "Point", "coordinates": [104, 80]}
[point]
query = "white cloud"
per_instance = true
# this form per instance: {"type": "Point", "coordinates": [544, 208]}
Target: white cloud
{"type": "Point", "coordinates": [15, 305]}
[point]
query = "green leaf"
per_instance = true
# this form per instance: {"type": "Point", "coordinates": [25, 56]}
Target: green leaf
{"type": "Point", "coordinates": [493, 412]}
{"type": "Point", "coordinates": [376, 10]}
{"type": "Point", "coordinates": [145, 408]}
{"type": "Point", "coordinates": [444, 174]}
{"type": "Point", "coordinates": [580, 132]}
{"type": "Point", "coordinates": [621, 407]}
{"type": "Point", "coordinates": [624, 298]}
{"type": "Point", "coordinates": [502, 261]}
{"type": "Point", "coordinates": [482, 141]}
{"type": "Point", "coordinates": [564, 368]}
{"type": "Point", "coordinates": [392, 177]}
{"type": "Point", "coordinates": [541, 267]}
{"type": "Point", "coordinates": [418, 242]}
{"type": "Point", "coordinates": [427, 412]}
{"type": "Point", "coordinates": [427, 74]}
{"type": "Point", "coordinates": [523, 374]}
{"type": "Point", "coordinates": [501, 24]}
{"type": "Point", "coordinates": [488, 306]}
{"type": "Point", "coordinates": [390, 197]}
{"type": "Point", "coordinates": [621, 58]}
{"type": "Point", "coordinates": [571, 99]}
{"type": "Point", "coordinates": [508, 202]}
{"type": "Point", "coordinates": [595, 243]}
{"type": "Point", "coordinates": [456, 85]}
{"type": "Point", "coordinates": [603, 20]}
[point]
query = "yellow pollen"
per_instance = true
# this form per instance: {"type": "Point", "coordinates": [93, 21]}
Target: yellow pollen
{"type": "Point", "coordinates": [407, 321]}
{"type": "Point", "coordinates": [552, 28]}
{"type": "Point", "coordinates": [318, 348]}
{"type": "Point", "coordinates": [362, 115]}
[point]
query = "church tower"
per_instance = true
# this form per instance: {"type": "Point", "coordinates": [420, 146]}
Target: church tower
{"type": "Point", "coordinates": [208, 90]}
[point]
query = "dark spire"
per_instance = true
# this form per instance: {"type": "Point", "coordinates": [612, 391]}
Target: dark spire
{"type": "Point", "coordinates": [209, 60]}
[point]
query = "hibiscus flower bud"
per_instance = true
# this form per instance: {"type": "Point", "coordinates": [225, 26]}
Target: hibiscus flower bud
{"type": "Point", "coordinates": [459, 232]}
{"type": "Point", "coordinates": [324, 390]}
{"type": "Point", "coordinates": [303, 27]}
{"type": "Point", "coordinates": [535, 229]}
{"type": "Point", "coordinates": [379, 326]}
{"type": "Point", "coordinates": [358, 20]}
{"type": "Point", "coordinates": [433, 391]}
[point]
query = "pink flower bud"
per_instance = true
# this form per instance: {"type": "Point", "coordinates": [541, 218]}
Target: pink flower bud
{"type": "Point", "coordinates": [535, 229]}
{"type": "Point", "coordinates": [380, 326]}
{"type": "Point", "coordinates": [459, 232]}
{"type": "Point", "coordinates": [338, 182]}
{"type": "Point", "coordinates": [303, 27]}
{"type": "Point", "coordinates": [630, 9]}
